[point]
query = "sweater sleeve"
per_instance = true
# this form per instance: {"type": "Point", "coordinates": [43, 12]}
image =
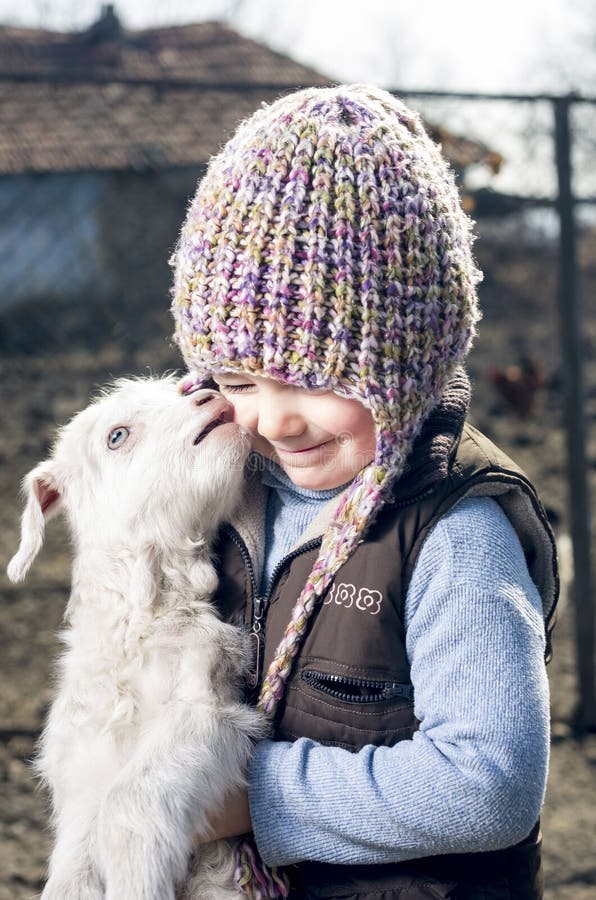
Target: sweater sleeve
{"type": "Point", "coordinates": [473, 777]}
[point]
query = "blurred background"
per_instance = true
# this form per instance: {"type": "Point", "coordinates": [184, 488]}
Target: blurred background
{"type": "Point", "coordinates": [108, 116]}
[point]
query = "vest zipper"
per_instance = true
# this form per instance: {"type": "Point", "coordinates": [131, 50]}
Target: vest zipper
{"type": "Point", "coordinates": [303, 548]}
{"type": "Point", "coordinates": [260, 605]}
{"type": "Point", "coordinates": [339, 686]}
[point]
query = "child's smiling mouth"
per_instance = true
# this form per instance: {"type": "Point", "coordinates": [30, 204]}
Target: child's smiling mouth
{"type": "Point", "coordinates": [304, 449]}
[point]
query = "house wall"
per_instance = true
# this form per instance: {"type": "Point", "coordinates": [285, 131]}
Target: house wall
{"type": "Point", "coordinates": [138, 218]}
{"type": "Point", "coordinates": [89, 235]}
{"type": "Point", "coordinates": [49, 236]}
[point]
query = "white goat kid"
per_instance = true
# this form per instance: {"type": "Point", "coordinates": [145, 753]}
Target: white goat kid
{"type": "Point", "coordinates": [147, 733]}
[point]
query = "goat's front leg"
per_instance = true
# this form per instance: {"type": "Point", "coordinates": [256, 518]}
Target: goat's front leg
{"type": "Point", "coordinates": [180, 773]}
{"type": "Point", "coordinates": [73, 872]}
{"type": "Point", "coordinates": [142, 846]}
{"type": "Point", "coordinates": [77, 762]}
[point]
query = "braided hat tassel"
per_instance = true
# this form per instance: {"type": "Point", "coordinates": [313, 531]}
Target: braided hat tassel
{"type": "Point", "coordinates": [255, 879]}
{"type": "Point", "coordinates": [340, 539]}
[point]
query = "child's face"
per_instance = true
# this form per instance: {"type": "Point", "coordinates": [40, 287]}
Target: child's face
{"type": "Point", "coordinates": [321, 440]}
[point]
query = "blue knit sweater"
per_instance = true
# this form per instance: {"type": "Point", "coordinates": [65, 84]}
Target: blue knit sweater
{"type": "Point", "coordinates": [473, 776]}
{"type": "Point", "coordinates": [289, 510]}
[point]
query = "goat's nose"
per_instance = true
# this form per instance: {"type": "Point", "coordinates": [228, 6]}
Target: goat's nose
{"type": "Point", "coordinates": [203, 397]}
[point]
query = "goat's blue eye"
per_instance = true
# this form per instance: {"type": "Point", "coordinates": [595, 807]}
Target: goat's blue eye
{"type": "Point", "coordinates": [117, 437]}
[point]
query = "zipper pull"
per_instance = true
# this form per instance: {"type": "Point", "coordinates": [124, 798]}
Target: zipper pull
{"type": "Point", "coordinates": [254, 675]}
{"type": "Point", "coordinates": [256, 639]}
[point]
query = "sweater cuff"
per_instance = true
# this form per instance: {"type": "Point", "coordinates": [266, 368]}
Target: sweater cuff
{"type": "Point", "coordinates": [266, 813]}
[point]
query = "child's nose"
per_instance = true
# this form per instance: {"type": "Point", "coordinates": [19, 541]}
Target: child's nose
{"type": "Point", "coordinates": [277, 420]}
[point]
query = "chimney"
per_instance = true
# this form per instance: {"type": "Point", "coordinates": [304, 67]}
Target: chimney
{"type": "Point", "coordinates": [106, 28]}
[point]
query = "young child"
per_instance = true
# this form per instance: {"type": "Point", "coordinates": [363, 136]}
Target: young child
{"type": "Point", "coordinates": [395, 569]}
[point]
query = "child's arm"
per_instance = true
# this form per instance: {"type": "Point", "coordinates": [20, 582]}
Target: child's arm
{"type": "Point", "coordinates": [232, 820]}
{"type": "Point", "coordinates": [473, 777]}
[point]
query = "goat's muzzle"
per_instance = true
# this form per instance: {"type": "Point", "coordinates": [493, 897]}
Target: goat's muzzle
{"type": "Point", "coordinates": [221, 418]}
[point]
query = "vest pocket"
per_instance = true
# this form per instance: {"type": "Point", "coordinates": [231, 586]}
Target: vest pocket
{"type": "Point", "coordinates": [351, 689]}
{"type": "Point", "coordinates": [335, 705]}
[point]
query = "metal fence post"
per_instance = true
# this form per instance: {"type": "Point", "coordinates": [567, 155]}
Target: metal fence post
{"type": "Point", "coordinates": [575, 425]}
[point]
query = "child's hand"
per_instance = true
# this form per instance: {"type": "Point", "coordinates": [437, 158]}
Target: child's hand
{"type": "Point", "coordinates": [232, 821]}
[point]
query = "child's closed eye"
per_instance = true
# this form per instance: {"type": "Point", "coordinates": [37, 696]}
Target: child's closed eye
{"type": "Point", "coordinates": [234, 388]}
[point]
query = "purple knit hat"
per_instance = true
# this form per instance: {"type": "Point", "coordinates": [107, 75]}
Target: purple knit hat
{"type": "Point", "coordinates": [326, 247]}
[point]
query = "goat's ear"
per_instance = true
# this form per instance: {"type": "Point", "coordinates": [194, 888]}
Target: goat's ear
{"type": "Point", "coordinates": [43, 501]}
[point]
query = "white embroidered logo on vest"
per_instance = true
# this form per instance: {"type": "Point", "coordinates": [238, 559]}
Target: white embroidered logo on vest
{"type": "Point", "coordinates": [345, 595]}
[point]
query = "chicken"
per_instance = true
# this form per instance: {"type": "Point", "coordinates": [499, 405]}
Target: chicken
{"type": "Point", "coordinates": [519, 385]}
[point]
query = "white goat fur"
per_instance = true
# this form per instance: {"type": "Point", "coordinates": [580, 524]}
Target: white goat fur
{"type": "Point", "coordinates": [147, 734]}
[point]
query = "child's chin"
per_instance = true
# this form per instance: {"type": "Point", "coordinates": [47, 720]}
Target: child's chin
{"type": "Point", "coordinates": [315, 481]}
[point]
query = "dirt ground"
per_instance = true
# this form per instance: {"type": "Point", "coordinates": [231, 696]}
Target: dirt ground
{"type": "Point", "coordinates": [46, 374]}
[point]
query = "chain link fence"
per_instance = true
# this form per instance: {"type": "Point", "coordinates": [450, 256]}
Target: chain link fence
{"type": "Point", "coordinates": [84, 297]}
{"type": "Point", "coordinates": [84, 254]}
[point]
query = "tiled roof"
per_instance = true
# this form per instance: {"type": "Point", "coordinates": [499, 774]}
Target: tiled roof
{"type": "Point", "coordinates": [49, 127]}
{"type": "Point", "coordinates": [165, 97]}
{"type": "Point", "coordinates": [208, 53]}
{"type": "Point", "coordinates": [111, 99]}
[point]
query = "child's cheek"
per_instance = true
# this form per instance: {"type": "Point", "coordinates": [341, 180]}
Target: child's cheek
{"type": "Point", "coordinates": [242, 412]}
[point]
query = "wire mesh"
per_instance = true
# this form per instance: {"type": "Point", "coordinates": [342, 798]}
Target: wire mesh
{"type": "Point", "coordinates": [84, 281]}
{"type": "Point", "coordinates": [84, 254]}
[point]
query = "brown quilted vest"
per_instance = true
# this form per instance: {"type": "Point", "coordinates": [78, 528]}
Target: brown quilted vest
{"type": "Point", "coordinates": [350, 685]}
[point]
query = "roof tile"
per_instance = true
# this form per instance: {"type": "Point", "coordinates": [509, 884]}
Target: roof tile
{"type": "Point", "coordinates": [164, 97]}
{"type": "Point", "coordinates": [112, 99]}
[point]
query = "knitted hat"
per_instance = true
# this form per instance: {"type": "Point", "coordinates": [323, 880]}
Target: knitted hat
{"type": "Point", "coordinates": [326, 247]}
